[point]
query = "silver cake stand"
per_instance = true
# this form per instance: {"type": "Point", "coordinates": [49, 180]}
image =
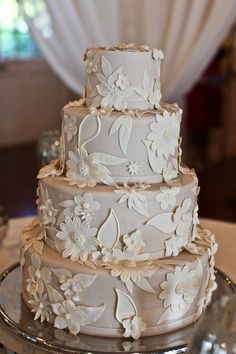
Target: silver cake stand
{"type": "Point", "coordinates": [20, 333]}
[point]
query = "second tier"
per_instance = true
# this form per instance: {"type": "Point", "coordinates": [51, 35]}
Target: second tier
{"type": "Point", "coordinates": [144, 221]}
{"type": "Point", "coordinates": [111, 147]}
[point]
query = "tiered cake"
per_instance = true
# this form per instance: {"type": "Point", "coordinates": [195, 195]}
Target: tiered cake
{"type": "Point", "coordinates": [116, 249]}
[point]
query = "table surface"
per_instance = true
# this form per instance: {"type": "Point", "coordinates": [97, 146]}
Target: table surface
{"type": "Point", "coordinates": [225, 234]}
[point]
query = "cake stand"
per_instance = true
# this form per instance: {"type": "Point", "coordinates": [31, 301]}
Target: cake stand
{"type": "Point", "coordinates": [21, 334]}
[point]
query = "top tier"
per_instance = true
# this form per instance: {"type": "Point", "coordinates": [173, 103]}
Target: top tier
{"type": "Point", "coordinates": [123, 77]}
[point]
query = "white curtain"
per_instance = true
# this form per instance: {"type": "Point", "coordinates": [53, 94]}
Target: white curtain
{"type": "Point", "coordinates": [188, 31]}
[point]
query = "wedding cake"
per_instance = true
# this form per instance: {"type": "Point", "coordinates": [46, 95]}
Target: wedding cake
{"type": "Point", "coordinates": [116, 249]}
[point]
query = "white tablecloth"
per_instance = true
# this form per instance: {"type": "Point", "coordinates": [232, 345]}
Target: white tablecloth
{"type": "Point", "coordinates": [225, 233]}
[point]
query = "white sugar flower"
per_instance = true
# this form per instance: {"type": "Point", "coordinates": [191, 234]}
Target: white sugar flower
{"type": "Point", "coordinates": [170, 171]}
{"type": "Point", "coordinates": [167, 196]}
{"type": "Point", "coordinates": [78, 240]}
{"type": "Point", "coordinates": [70, 126]}
{"type": "Point", "coordinates": [47, 213]}
{"type": "Point", "coordinates": [136, 197]}
{"type": "Point", "coordinates": [84, 170]}
{"type": "Point", "coordinates": [165, 134]}
{"type": "Point", "coordinates": [67, 316]}
{"type": "Point", "coordinates": [41, 307]}
{"type": "Point", "coordinates": [134, 326]}
{"type": "Point", "coordinates": [180, 288]}
{"type": "Point", "coordinates": [73, 286]}
{"type": "Point", "coordinates": [132, 269]}
{"type": "Point", "coordinates": [83, 206]}
{"type": "Point", "coordinates": [86, 206]}
{"type": "Point", "coordinates": [130, 266]}
{"type": "Point", "coordinates": [134, 168]}
{"type": "Point", "coordinates": [92, 61]}
{"type": "Point", "coordinates": [183, 219]}
{"type": "Point", "coordinates": [134, 242]}
{"type": "Point", "coordinates": [115, 89]}
{"type": "Point", "coordinates": [38, 276]}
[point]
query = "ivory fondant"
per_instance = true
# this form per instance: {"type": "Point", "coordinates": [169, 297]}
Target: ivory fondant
{"type": "Point", "coordinates": [116, 249]}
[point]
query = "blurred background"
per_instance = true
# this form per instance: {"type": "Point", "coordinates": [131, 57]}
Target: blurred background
{"type": "Point", "coordinates": [41, 69]}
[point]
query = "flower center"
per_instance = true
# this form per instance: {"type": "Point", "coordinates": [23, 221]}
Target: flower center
{"type": "Point", "coordinates": [86, 205]}
{"type": "Point", "coordinates": [41, 306]}
{"type": "Point", "coordinates": [166, 197]}
{"type": "Point", "coordinates": [67, 316]}
{"type": "Point", "coordinates": [113, 89]}
{"type": "Point", "coordinates": [76, 237]}
{"type": "Point", "coordinates": [180, 288]}
{"type": "Point", "coordinates": [83, 170]}
{"type": "Point", "coordinates": [167, 135]}
{"type": "Point", "coordinates": [129, 264]}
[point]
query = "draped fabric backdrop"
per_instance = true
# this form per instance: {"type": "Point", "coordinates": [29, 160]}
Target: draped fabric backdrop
{"type": "Point", "coordinates": [188, 31]}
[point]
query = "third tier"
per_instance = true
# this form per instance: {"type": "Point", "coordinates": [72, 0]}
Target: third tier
{"type": "Point", "coordinates": [145, 221]}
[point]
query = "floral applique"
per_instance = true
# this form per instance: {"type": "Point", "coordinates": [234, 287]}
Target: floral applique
{"type": "Point", "coordinates": [78, 240]}
{"type": "Point", "coordinates": [71, 316]}
{"type": "Point", "coordinates": [88, 170]}
{"type": "Point", "coordinates": [136, 197]}
{"type": "Point", "coordinates": [41, 307]}
{"type": "Point", "coordinates": [38, 276]}
{"type": "Point", "coordinates": [127, 315]}
{"type": "Point", "coordinates": [179, 290]}
{"type": "Point", "coordinates": [170, 171]}
{"type": "Point", "coordinates": [132, 269]}
{"type": "Point", "coordinates": [83, 206]}
{"type": "Point", "coordinates": [165, 134]}
{"type": "Point", "coordinates": [134, 168]}
{"type": "Point", "coordinates": [123, 125]}
{"type": "Point", "coordinates": [134, 242]}
{"type": "Point", "coordinates": [73, 285]}
{"type": "Point", "coordinates": [167, 196]}
{"type": "Point", "coordinates": [151, 90]}
{"type": "Point", "coordinates": [47, 213]}
{"type": "Point", "coordinates": [70, 126]}
{"type": "Point", "coordinates": [177, 224]}
{"type": "Point", "coordinates": [113, 89]}
{"type": "Point", "coordinates": [92, 62]}
{"type": "Point", "coordinates": [134, 326]}
{"type": "Point", "coordinates": [33, 236]}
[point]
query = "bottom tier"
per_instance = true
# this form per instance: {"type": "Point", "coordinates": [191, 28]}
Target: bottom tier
{"type": "Point", "coordinates": [119, 298]}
